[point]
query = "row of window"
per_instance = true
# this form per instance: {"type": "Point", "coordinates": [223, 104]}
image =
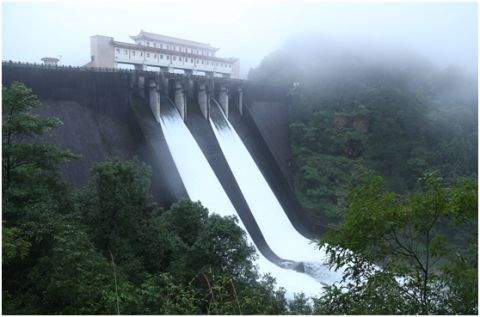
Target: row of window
{"type": "Point", "coordinates": [180, 58]}
{"type": "Point", "coordinates": [178, 48]}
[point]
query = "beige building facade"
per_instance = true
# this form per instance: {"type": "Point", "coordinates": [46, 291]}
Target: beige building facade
{"type": "Point", "coordinates": [163, 53]}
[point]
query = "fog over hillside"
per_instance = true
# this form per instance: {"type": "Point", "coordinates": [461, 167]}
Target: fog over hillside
{"type": "Point", "coordinates": [444, 33]}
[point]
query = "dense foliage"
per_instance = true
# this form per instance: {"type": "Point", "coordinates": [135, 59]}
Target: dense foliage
{"type": "Point", "coordinates": [397, 255]}
{"type": "Point", "coordinates": [354, 110]}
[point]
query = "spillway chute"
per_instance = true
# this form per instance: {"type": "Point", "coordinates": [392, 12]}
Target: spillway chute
{"type": "Point", "coordinates": [202, 185]}
{"type": "Point", "coordinates": [277, 229]}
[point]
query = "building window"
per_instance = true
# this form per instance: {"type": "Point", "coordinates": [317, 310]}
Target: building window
{"type": "Point", "coordinates": [133, 53]}
{"type": "Point", "coordinates": [141, 53]}
{"type": "Point", "coordinates": [161, 56]}
{"type": "Point", "coordinates": [148, 54]}
{"type": "Point", "coordinates": [168, 56]}
{"type": "Point", "coordinates": [154, 45]}
{"type": "Point", "coordinates": [155, 55]}
{"type": "Point", "coordinates": [126, 52]}
{"type": "Point", "coordinates": [174, 58]}
{"type": "Point", "coordinates": [118, 50]}
{"type": "Point", "coordinates": [180, 59]}
{"type": "Point", "coordinates": [148, 43]}
{"type": "Point", "coordinates": [191, 60]}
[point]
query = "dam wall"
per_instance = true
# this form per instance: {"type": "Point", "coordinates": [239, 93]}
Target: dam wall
{"type": "Point", "coordinates": [267, 106]}
{"type": "Point", "coordinates": [103, 117]}
{"type": "Point", "coordinates": [98, 120]}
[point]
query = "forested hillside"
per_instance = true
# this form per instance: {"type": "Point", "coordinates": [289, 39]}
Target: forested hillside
{"type": "Point", "coordinates": [360, 108]}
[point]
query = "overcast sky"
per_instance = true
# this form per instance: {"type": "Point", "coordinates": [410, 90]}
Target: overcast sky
{"type": "Point", "coordinates": [444, 32]}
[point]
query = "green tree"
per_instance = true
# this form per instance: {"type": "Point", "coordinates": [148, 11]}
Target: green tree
{"type": "Point", "coordinates": [30, 169]}
{"type": "Point", "coordinates": [395, 254]}
{"type": "Point", "coordinates": [121, 217]}
{"type": "Point", "coordinates": [49, 264]}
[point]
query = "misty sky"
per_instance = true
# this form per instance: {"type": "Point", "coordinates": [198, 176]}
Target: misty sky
{"type": "Point", "coordinates": [444, 32]}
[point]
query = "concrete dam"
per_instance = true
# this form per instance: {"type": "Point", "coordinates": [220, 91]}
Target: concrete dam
{"type": "Point", "coordinates": [223, 142]}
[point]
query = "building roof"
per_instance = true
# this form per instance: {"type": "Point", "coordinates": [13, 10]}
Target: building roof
{"type": "Point", "coordinates": [50, 59]}
{"type": "Point", "coordinates": [171, 52]}
{"type": "Point", "coordinates": [159, 37]}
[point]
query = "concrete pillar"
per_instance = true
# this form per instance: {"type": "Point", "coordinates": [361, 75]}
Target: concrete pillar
{"type": "Point", "coordinates": [203, 99]}
{"type": "Point", "coordinates": [154, 101]}
{"type": "Point", "coordinates": [240, 101]}
{"type": "Point", "coordinates": [223, 99]}
{"type": "Point", "coordinates": [190, 87]}
{"type": "Point", "coordinates": [180, 100]}
{"type": "Point", "coordinates": [141, 86]}
{"type": "Point", "coordinates": [164, 85]}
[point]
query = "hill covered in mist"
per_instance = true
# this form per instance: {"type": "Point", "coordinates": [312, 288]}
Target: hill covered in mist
{"type": "Point", "coordinates": [363, 107]}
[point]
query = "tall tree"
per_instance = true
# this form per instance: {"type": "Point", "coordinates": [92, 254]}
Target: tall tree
{"type": "Point", "coordinates": [396, 255]}
{"type": "Point", "coordinates": [30, 168]}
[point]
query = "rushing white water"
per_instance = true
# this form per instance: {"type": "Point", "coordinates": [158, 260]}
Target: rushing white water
{"type": "Point", "coordinates": [202, 185]}
{"type": "Point", "coordinates": [277, 229]}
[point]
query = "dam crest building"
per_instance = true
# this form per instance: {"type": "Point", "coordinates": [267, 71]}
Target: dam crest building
{"type": "Point", "coordinates": [153, 51]}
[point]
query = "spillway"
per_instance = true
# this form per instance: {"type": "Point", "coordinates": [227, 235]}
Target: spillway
{"type": "Point", "coordinates": [202, 185]}
{"type": "Point", "coordinates": [274, 224]}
